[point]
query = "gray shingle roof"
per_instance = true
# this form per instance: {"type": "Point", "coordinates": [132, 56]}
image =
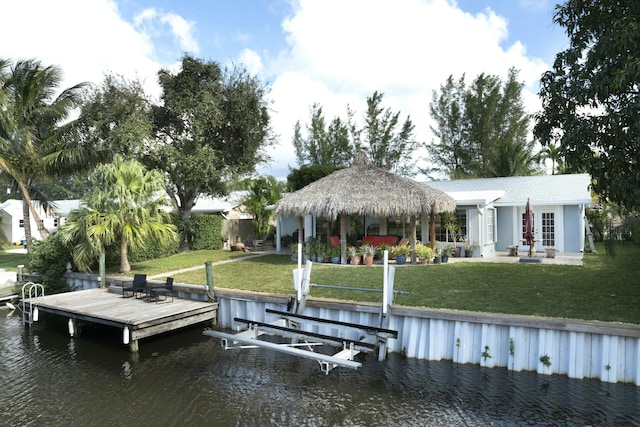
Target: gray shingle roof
{"type": "Point", "coordinates": [542, 190]}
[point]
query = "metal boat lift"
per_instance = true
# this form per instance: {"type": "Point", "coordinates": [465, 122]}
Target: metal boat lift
{"type": "Point", "coordinates": [289, 325]}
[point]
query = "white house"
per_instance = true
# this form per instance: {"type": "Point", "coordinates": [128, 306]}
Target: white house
{"type": "Point", "coordinates": [490, 213]}
{"type": "Point", "coordinates": [230, 207]}
{"type": "Point", "coordinates": [491, 210]}
{"type": "Point", "coordinates": [13, 218]}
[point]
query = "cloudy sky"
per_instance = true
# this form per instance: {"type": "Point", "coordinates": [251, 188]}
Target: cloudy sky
{"type": "Point", "coordinates": [334, 52]}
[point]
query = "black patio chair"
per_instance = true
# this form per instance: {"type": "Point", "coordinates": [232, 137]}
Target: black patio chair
{"type": "Point", "coordinates": [163, 291]}
{"type": "Point", "coordinates": [138, 286]}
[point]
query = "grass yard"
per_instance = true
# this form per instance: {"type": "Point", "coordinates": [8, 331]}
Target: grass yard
{"type": "Point", "coordinates": [604, 288]}
{"type": "Point", "coordinates": [10, 261]}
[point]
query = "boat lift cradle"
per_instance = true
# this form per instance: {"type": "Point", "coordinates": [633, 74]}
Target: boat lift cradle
{"type": "Point", "coordinates": [290, 325]}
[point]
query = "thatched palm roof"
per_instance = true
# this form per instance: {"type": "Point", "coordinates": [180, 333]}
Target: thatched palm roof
{"type": "Point", "coordinates": [364, 189]}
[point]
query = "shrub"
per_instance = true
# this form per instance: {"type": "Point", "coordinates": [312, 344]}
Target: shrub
{"type": "Point", "coordinates": [49, 258]}
{"type": "Point", "coordinates": [205, 231]}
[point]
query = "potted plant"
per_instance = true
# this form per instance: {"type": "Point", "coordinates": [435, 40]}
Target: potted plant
{"type": "Point", "coordinates": [468, 250]}
{"type": "Point", "coordinates": [550, 251]}
{"type": "Point", "coordinates": [424, 253]}
{"type": "Point", "coordinates": [320, 250]}
{"type": "Point", "coordinates": [368, 252]}
{"type": "Point", "coordinates": [380, 250]}
{"type": "Point", "coordinates": [447, 251]}
{"type": "Point", "coordinates": [437, 259]}
{"type": "Point", "coordinates": [355, 255]}
{"type": "Point", "coordinates": [401, 252]}
{"type": "Point", "coordinates": [334, 254]}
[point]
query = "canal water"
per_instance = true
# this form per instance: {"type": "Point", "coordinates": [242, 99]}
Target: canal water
{"type": "Point", "coordinates": [186, 378]}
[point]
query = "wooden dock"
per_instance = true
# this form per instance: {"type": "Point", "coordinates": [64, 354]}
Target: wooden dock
{"type": "Point", "coordinates": [137, 318]}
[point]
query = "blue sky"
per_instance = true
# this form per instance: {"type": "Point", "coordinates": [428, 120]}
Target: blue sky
{"type": "Point", "coordinates": [334, 52]}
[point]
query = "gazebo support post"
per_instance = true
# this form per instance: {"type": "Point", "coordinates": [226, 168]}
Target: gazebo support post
{"type": "Point", "coordinates": [300, 231]}
{"type": "Point", "coordinates": [432, 229]}
{"type": "Point", "coordinates": [414, 236]}
{"type": "Point", "coordinates": [343, 239]}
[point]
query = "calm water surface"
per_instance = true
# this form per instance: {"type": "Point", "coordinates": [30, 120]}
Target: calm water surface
{"type": "Point", "coordinates": [185, 378]}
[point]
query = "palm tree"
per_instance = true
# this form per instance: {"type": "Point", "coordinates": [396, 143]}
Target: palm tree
{"type": "Point", "coordinates": [553, 153]}
{"type": "Point", "coordinates": [126, 209]}
{"type": "Point", "coordinates": [32, 128]}
{"type": "Point", "coordinates": [262, 192]}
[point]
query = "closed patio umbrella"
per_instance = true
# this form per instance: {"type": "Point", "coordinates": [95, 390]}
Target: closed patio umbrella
{"type": "Point", "coordinates": [528, 226]}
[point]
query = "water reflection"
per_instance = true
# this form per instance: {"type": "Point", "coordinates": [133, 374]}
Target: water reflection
{"type": "Point", "coordinates": [187, 379]}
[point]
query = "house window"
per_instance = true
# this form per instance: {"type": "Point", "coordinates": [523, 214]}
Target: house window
{"type": "Point", "coordinates": [461, 222]}
{"type": "Point", "coordinates": [548, 229]}
{"type": "Point", "coordinates": [21, 223]}
{"type": "Point", "coordinates": [491, 225]}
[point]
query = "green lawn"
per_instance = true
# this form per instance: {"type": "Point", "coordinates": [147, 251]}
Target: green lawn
{"type": "Point", "coordinates": [10, 261]}
{"type": "Point", "coordinates": [604, 288]}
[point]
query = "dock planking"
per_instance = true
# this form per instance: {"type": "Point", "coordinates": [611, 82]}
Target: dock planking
{"type": "Point", "coordinates": [142, 318]}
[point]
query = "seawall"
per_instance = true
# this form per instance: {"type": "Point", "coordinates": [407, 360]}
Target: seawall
{"type": "Point", "coordinates": [578, 349]}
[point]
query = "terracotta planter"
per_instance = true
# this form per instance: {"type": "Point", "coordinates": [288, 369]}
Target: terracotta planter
{"type": "Point", "coordinates": [356, 260]}
{"type": "Point", "coordinates": [368, 260]}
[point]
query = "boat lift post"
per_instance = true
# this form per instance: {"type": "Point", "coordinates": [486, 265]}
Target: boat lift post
{"type": "Point", "coordinates": [289, 325]}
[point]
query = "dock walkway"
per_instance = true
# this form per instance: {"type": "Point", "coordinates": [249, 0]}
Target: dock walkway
{"type": "Point", "coordinates": [136, 317]}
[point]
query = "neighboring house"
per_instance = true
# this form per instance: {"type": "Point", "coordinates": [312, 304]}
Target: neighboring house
{"type": "Point", "coordinates": [236, 222]}
{"type": "Point", "coordinates": [13, 218]}
{"type": "Point", "coordinates": [490, 213]}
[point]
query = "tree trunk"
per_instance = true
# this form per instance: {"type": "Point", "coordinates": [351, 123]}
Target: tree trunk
{"type": "Point", "coordinates": [125, 267]}
{"type": "Point", "coordinates": [27, 207]}
{"type": "Point", "coordinates": [27, 224]}
{"type": "Point", "coordinates": [186, 205]}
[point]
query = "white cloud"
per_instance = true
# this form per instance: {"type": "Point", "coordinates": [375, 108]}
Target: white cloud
{"type": "Point", "coordinates": [85, 38]}
{"type": "Point", "coordinates": [180, 29]}
{"type": "Point", "coordinates": [341, 52]}
{"type": "Point", "coordinates": [251, 60]}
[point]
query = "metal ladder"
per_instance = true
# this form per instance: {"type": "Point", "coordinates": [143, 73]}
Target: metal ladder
{"type": "Point", "coordinates": [31, 291]}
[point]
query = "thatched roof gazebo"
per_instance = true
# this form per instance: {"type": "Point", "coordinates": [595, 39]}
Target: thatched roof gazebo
{"type": "Point", "coordinates": [367, 190]}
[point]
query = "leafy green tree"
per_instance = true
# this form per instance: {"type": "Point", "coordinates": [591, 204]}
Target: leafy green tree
{"type": "Point", "coordinates": [116, 118]}
{"type": "Point", "coordinates": [591, 99]}
{"type": "Point", "coordinates": [447, 109]}
{"type": "Point", "coordinates": [305, 175]}
{"type": "Point", "coordinates": [389, 143]}
{"type": "Point", "coordinates": [481, 128]}
{"type": "Point", "coordinates": [322, 145]}
{"type": "Point", "coordinates": [262, 192]}
{"type": "Point", "coordinates": [212, 126]}
{"type": "Point", "coordinates": [34, 127]}
{"type": "Point", "coordinates": [126, 208]}
{"type": "Point", "coordinates": [553, 152]}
